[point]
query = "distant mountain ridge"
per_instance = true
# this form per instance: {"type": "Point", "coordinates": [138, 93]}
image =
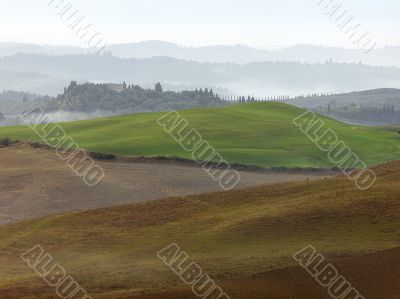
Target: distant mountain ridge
{"type": "Point", "coordinates": [32, 82]}
{"type": "Point", "coordinates": [258, 78]}
{"type": "Point", "coordinates": [240, 54]}
{"type": "Point", "coordinates": [373, 107]}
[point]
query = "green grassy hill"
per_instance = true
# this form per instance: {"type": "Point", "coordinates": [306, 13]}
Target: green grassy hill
{"type": "Point", "coordinates": [260, 134]}
{"type": "Point", "coordinates": [112, 252]}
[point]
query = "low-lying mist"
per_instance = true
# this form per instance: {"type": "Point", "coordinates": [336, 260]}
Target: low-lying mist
{"type": "Point", "coordinates": [57, 117]}
{"type": "Point", "coordinates": [64, 116]}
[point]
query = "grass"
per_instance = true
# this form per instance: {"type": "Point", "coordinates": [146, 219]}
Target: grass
{"type": "Point", "coordinates": [258, 134]}
{"type": "Point", "coordinates": [232, 234]}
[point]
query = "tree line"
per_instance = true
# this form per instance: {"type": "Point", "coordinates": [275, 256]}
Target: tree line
{"type": "Point", "coordinates": [90, 97]}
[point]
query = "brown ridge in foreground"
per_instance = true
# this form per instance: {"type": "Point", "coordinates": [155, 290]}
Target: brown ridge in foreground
{"type": "Point", "coordinates": [375, 275]}
{"type": "Point", "coordinates": [253, 232]}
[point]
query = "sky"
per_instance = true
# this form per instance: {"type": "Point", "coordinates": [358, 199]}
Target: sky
{"type": "Point", "coordinates": [259, 23]}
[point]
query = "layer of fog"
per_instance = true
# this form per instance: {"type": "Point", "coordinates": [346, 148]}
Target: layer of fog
{"type": "Point", "coordinates": [64, 116]}
{"type": "Point", "coordinates": [57, 117]}
{"type": "Point", "coordinates": [256, 79]}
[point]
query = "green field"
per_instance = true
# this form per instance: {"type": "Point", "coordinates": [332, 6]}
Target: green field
{"type": "Point", "coordinates": [260, 134]}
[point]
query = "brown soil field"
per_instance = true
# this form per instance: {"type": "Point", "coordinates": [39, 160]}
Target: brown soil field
{"type": "Point", "coordinates": [243, 239]}
{"type": "Point", "coordinates": [35, 182]}
{"type": "Point", "coordinates": [374, 275]}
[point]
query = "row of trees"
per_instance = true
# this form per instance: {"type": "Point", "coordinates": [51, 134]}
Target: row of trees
{"type": "Point", "coordinates": [210, 93]}
{"type": "Point", "coordinates": [369, 114]}
{"type": "Point", "coordinates": [124, 97]}
{"type": "Point", "coordinates": [250, 99]}
{"type": "Point", "coordinates": [317, 94]}
{"type": "Point", "coordinates": [128, 96]}
{"type": "Point", "coordinates": [239, 99]}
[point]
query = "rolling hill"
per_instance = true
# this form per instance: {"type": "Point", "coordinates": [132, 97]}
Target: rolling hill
{"type": "Point", "coordinates": [378, 106]}
{"type": "Point", "coordinates": [257, 134]}
{"type": "Point", "coordinates": [375, 274]}
{"type": "Point", "coordinates": [35, 182]}
{"type": "Point", "coordinates": [233, 236]}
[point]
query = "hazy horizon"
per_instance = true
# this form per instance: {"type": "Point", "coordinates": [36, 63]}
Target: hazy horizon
{"type": "Point", "coordinates": [259, 24]}
{"type": "Point", "coordinates": [189, 46]}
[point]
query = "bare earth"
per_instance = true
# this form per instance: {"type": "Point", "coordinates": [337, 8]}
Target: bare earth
{"type": "Point", "coordinates": [374, 275]}
{"type": "Point", "coordinates": [36, 182]}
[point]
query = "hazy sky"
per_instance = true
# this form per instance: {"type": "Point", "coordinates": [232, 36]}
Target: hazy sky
{"type": "Point", "coordinates": [260, 23]}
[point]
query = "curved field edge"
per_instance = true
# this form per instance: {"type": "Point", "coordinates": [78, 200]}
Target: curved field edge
{"type": "Point", "coordinates": [260, 134]}
{"type": "Point", "coordinates": [230, 234]}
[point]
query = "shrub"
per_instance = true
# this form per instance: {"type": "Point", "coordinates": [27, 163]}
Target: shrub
{"type": "Point", "coordinates": [280, 168]}
{"type": "Point", "coordinates": [100, 156]}
{"type": "Point", "coordinates": [5, 141]}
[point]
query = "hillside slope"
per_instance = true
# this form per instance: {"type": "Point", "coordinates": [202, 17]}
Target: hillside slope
{"type": "Point", "coordinates": [378, 106]}
{"type": "Point", "coordinates": [260, 133]}
{"type": "Point", "coordinates": [36, 183]}
{"type": "Point", "coordinates": [375, 274]}
{"type": "Point", "coordinates": [232, 235]}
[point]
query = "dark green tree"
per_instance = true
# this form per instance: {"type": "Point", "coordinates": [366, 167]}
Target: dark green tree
{"type": "Point", "coordinates": [158, 87]}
